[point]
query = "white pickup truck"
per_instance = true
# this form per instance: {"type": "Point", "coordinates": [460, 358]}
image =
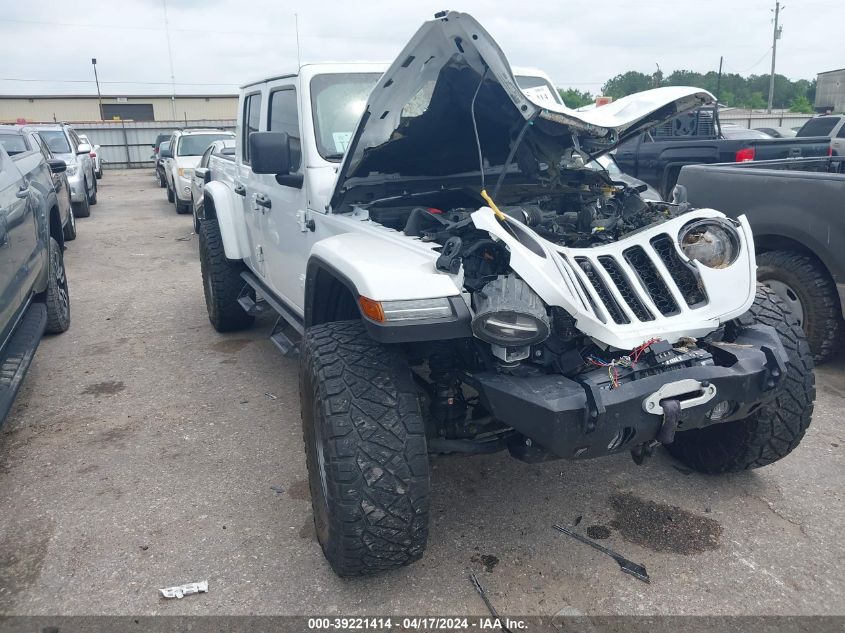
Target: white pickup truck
{"type": "Point", "coordinates": [456, 278]}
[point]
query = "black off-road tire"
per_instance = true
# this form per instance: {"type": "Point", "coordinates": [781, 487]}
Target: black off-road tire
{"type": "Point", "coordinates": [813, 287]}
{"type": "Point", "coordinates": [365, 450]}
{"type": "Point", "coordinates": [82, 209]}
{"type": "Point", "coordinates": [170, 195]}
{"type": "Point", "coordinates": [221, 282]}
{"type": "Point", "coordinates": [57, 296]}
{"type": "Point", "coordinates": [774, 429]}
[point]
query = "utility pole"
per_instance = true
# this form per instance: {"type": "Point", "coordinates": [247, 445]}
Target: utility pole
{"type": "Point", "coordinates": [775, 38]}
{"type": "Point", "coordinates": [170, 57]}
{"type": "Point", "coordinates": [97, 81]}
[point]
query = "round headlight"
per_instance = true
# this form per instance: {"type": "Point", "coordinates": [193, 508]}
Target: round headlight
{"type": "Point", "coordinates": [710, 242]}
{"type": "Point", "coordinates": [510, 329]}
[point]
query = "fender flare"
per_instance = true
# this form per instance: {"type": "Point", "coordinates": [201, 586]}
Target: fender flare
{"type": "Point", "coordinates": [219, 202]}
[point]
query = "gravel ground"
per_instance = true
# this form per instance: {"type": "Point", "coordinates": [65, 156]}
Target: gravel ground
{"type": "Point", "coordinates": [146, 450]}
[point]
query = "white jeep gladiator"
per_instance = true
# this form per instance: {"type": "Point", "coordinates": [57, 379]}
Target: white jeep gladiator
{"type": "Point", "coordinates": [457, 276]}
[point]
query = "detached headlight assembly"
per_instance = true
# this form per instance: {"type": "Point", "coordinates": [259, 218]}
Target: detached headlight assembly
{"type": "Point", "coordinates": [712, 243]}
{"type": "Point", "coordinates": [509, 314]}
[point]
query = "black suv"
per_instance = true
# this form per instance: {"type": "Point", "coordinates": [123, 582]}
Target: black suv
{"type": "Point", "coordinates": [33, 286]}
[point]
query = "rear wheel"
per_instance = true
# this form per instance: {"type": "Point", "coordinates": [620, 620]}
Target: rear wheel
{"type": "Point", "coordinates": [182, 207]}
{"type": "Point", "coordinates": [774, 429]}
{"type": "Point", "coordinates": [92, 199]}
{"type": "Point", "coordinates": [809, 293]}
{"type": "Point", "coordinates": [162, 183]}
{"type": "Point", "coordinates": [365, 450]}
{"type": "Point", "coordinates": [221, 281]}
{"type": "Point", "coordinates": [57, 296]}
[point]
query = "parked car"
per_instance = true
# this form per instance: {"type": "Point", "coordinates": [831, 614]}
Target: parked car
{"type": "Point", "coordinates": [60, 184]}
{"type": "Point", "coordinates": [66, 145]}
{"type": "Point", "coordinates": [459, 281]}
{"type": "Point", "coordinates": [696, 137]}
{"type": "Point", "coordinates": [218, 157]}
{"type": "Point", "coordinates": [161, 163]}
{"type": "Point", "coordinates": [739, 132]}
{"type": "Point", "coordinates": [33, 286]}
{"type": "Point", "coordinates": [832, 126]}
{"type": "Point", "coordinates": [95, 155]}
{"type": "Point", "coordinates": [186, 148]}
{"type": "Point", "coordinates": [777, 132]}
{"type": "Point", "coordinates": [161, 138]}
{"type": "Point", "coordinates": [795, 210]}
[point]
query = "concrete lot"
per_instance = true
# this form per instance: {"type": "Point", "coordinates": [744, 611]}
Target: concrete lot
{"type": "Point", "coordinates": [146, 450]}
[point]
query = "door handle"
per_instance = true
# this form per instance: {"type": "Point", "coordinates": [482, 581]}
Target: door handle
{"type": "Point", "coordinates": [240, 189]}
{"type": "Point", "coordinates": [263, 201]}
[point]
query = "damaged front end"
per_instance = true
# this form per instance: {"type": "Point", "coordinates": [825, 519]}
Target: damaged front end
{"type": "Point", "coordinates": [591, 320]}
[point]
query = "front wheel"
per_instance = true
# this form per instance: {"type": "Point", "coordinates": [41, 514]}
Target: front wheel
{"type": "Point", "coordinates": [170, 195]}
{"type": "Point", "coordinates": [57, 296]}
{"type": "Point", "coordinates": [92, 199]}
{"type": "Point", "coordinates": [162, 183]}
{"type": "Point", "coordinates": [221, 281]}
{"type": "Point", "coordinates": [365, 449]}
{"type": "Point", "coordinates": [82, 209]}
{"type": "Point", "coordinates": [774, 429]}
{"type": "Point", "coordinates": [69, 229]}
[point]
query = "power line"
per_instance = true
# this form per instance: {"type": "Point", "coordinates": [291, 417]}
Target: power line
{"type": "Point", "coordinates": [137, 83]}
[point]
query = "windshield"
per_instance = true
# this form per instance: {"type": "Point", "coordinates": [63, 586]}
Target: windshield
{"type": "Point", "coordinates": [56, 141]}
{"type": "Point", "coordinates": [196, 144]}
{"type": "Point", "coordinates": [337, 103]}
{"type": "Point", "coordinates": [821, 126]}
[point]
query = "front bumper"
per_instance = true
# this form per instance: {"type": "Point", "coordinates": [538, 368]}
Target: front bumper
{"type": "Point", "coordinates": [77, 186]}
{"type": "Point", "coordinates": [586, 418]}
{"type": "Point", "coordinates": [183, 189]}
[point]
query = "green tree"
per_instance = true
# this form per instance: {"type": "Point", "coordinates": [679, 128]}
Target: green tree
{"type": "Point", "coordinates": [574, 98]}
{"type": "Point", "coordinates": [626, 84]}
{"type": "Point", "coordinates": [801, 104]}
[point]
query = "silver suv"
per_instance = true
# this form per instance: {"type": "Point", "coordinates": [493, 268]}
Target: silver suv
{"type": "Point", "coordinates": [66, 145]}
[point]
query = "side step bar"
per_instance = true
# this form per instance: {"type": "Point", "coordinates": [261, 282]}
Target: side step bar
{"type": "Point", "coordinates": [264, 298]}
{"type": "Point", "coordinates": [18, 353]}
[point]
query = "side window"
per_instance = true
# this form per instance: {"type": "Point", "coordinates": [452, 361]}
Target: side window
{"type": "Point", "coordinates": [40, 145]}
{"type": "Point", "coordinates": [252, 113]}
{"type": "Point", "coordinates": [204, 159]}
{"type": "Point", "coordinates": [74, 140]}
{"type": "Point", "coordinates": [841, 132]}
{"type": "Point", "coordinates": [284, 117]}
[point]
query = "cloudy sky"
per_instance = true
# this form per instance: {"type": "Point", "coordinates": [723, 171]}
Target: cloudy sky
{"type": "Point", "coordinates": [47, 45]}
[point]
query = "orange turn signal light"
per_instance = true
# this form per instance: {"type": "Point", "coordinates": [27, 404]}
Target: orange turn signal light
{"type": "Point", "coordinates": [371, 309]}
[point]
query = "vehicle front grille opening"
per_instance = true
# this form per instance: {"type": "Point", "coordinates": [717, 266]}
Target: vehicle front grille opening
{"type": "Point", "coordinates": [685, 278]}
{"type": "Point", "coordinates": [624, 286]}
{"type": "Point", "coordinates": [651, 280]}
{"type": "Point", "coordinates": [613, 308]}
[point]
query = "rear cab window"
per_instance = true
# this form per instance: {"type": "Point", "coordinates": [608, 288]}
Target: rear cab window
{"type": "Point", "coordinates": [820, 126]}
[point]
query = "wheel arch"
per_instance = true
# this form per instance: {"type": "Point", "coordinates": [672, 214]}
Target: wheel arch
{"type": "Point", "coordinates": [329, 294]}
{"type": "Point", "coordinates": [218, 204]}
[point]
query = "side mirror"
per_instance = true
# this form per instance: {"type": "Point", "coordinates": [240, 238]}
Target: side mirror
{"type": "Point", "coordinates": [269, 153]}
{"type": "Point", "coordinates": [57, 166]}
{"type": "Point", "coordinates": [165, 153]}
{"type": "Point", "coordinates": [83, 148]}
{"type": "Point", "coordinates": [203, 173]}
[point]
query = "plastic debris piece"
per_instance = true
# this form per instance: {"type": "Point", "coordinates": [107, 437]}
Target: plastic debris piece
{"type": "Point", "coordinates": [185, 590]}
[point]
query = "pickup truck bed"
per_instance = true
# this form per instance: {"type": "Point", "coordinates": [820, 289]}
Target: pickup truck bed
{"type": "Point", "coordinates": [795, 211]}
{"type": "Point", "coordinates": [659, 160]}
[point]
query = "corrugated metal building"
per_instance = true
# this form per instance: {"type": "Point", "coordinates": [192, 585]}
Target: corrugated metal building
{"type": "Point", "coordinates": [830, 91]}
{"type": "Point", "coordinates": [136, 108]}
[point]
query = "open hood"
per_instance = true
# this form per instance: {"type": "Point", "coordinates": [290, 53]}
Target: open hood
{"type": "Point", "coordinates": [418, 122]}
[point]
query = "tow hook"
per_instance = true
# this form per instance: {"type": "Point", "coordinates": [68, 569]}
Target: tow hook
{"type": "Point", "coordinates": [666, 434]}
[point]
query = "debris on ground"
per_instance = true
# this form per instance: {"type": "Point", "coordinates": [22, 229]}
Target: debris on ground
{"type": "Point", "coordinates": [187, 238]}
{"type": "Point", "coordinates": [279, 490]}
{"type": "Point", "coordinates": [270, 396]}
{"type": "Point", "coordinates": [627, 566]}
{"type": "Point", "coordinates": [181, 591]}
{"type": "Point", "coordinates": [577, 520]}
{"type": "Point", "coordinates": [474, 580]}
